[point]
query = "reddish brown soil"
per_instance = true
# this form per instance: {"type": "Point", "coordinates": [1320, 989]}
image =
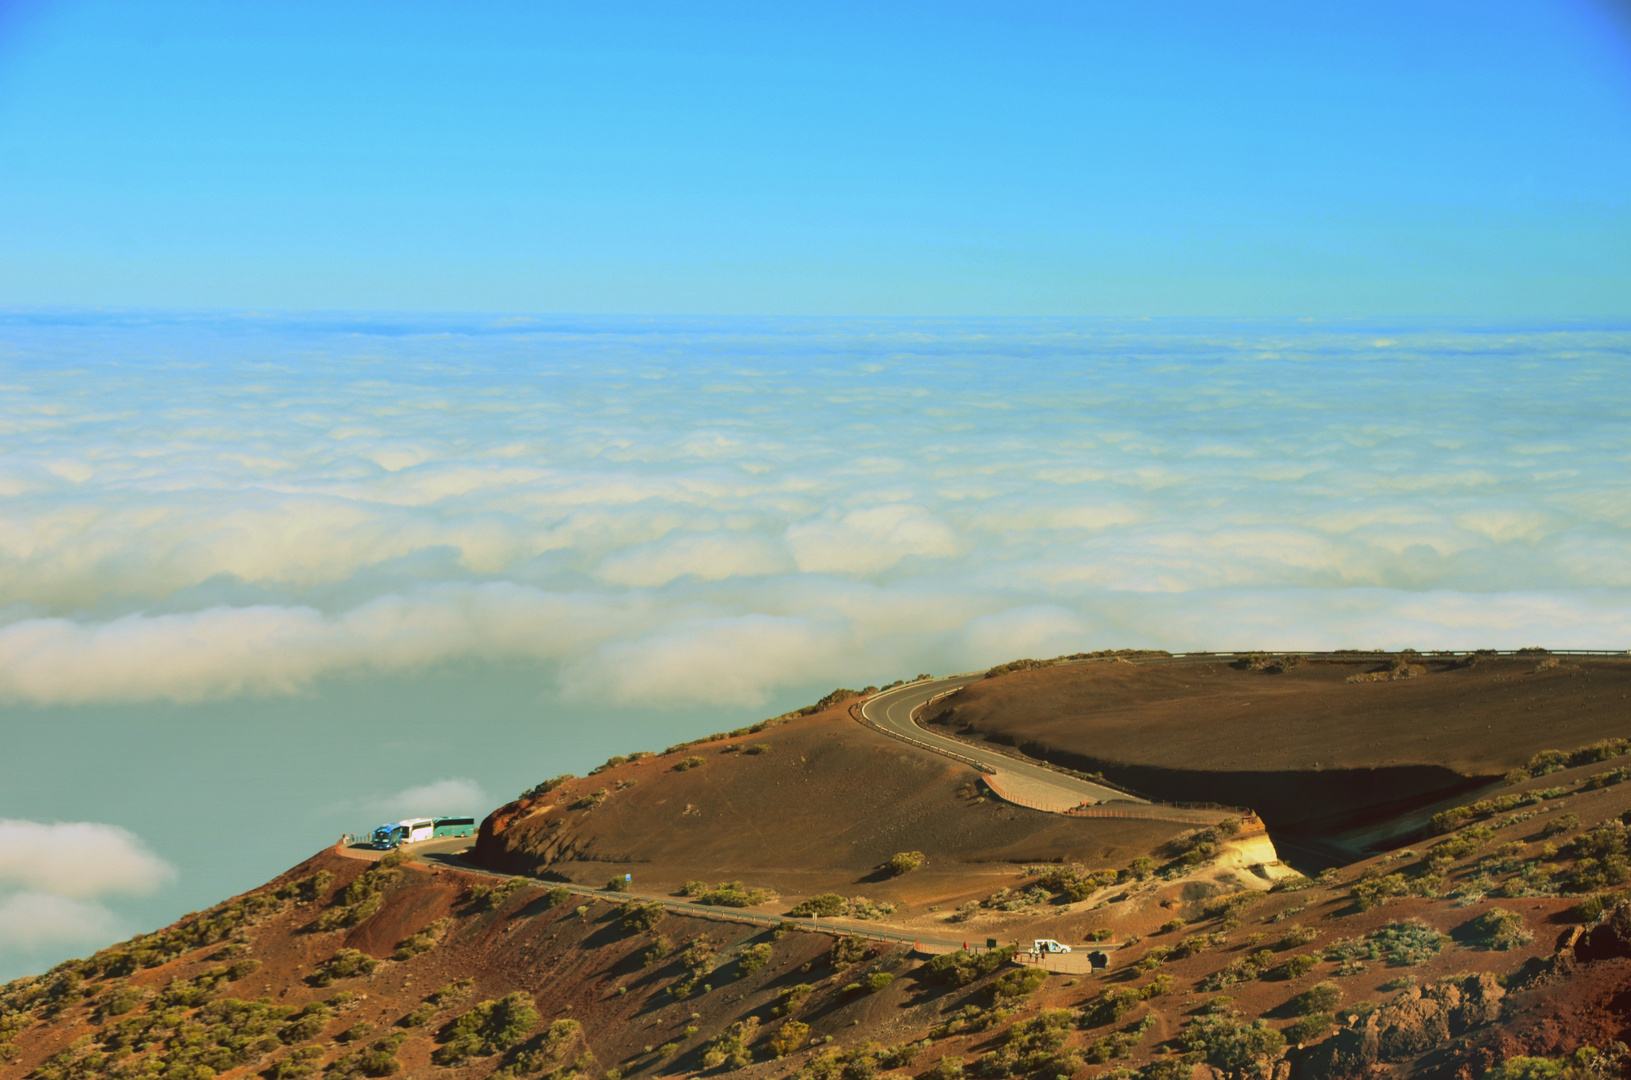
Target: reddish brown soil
{"type": "Point", "coordinates": [820, 811]}
{"type": "Point", "coordinates": [1308, 750]}
{"type": "Point", "coordinates": [575, 963]}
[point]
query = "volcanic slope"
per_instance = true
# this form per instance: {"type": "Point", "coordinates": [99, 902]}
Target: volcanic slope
{"type": "Point", "coordinates": [1508, 932]}
{"type": "Point", "coordinates": [1339, 747]}
{"type": "Point", "coordinates": [815, 804]}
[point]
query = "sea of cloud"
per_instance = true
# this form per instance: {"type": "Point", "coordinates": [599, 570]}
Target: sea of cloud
{"type": "Point", "coordinates": [672, 513]}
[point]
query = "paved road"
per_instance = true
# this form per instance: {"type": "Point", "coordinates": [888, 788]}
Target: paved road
{"type": "Point", "coordinates": [892, 711]}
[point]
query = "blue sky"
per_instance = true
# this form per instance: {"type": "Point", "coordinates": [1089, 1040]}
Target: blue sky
{"type": "Point", "coordinates": [1192, 159]}
{"type": "Point", "coordinates": [868, 386]}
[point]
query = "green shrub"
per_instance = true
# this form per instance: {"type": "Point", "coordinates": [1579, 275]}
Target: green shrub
{"type": "Point", "coordinates": [1406, 943]}
{"type": "Point", "coordinates": [1196, 944]}
{"type": "Point", "coordinates": [904, 862]}
{"type": "Point", "coordinates": [1310, 1027]}
{"type": "Point", "coordinates": [1319, 998]}
{"type": "Point", "coordinates": [825, 906]}
{"type": "Point", "coordinates": [641, 918]}
{"type": "Point", "coordinates": [1226, 1043]}
{"type": "Point", "coordinates": [307, 1024]}
{"type": "Point", "coordinates": [698, 960]}
{"type": "Point", "coordinates": [419, 1016]}
{"type": "Point", "coordinates": [1034, 1046]}
{"type": "Point", "coordinates": [961, 968]}
{"type": "Point", "coordinates": [730, 1047]}
{"type": "Point", "coordinates": [757, 748]}
{"type": "Point", "coordinates": [728, 894]}
{"type": "Point", "coordinates": [1561, 824]}
{"type": "Point", "coordinates": [1223, 906]}
{"type": "Point", "coordinates": [690, 763]}
{"type": "Point", "coordinates": [450, 993]}
{"type": "Point", "coordinates": [1369, 892]}
{"type": "Point", "coordinates": [547, 786]}
{"type": "Point", "coordinates": [1152, 958]}
{"type": "Point", "coordinates": [553, 1048]}
{"type": "Point", "coordinates": [1295, 937]}
{"type": "Point", "coordinates": [423, 941]}
{"type": "Point", "coordinates": [658, 949]}
{"type": "Point", "coordinates": [486, 897]}
{"type": "Point", "coordinates": [589, 801]}
{"type": "Point", "coordinates": [345, 964]}
{"type": "Point", "coordinates": [1497, 928]}
{"type": "Point", "coordinates": [378, 1059]}
{"type": "Point", "coordinates": [752, 959]}
{"type": "Point", "coordinates": [1583, 1064]}
{"type": "Point", "coordinates": [1294, 967]}
{"type": "Point", "coordinates": [788, 1000]}
{"type": "Point", "coordinates": [1019, 983]}
{"type": "Point", "coordinates": [789, 1038]}
{"type": "Point", "coordinates": [847, 950]}
{"type": "Point", "coordinates": [116, 1002]}
{"type": "Point", "coordinates": [878, 980]}
{"type": "Point", "coordinates": [489, 1028]}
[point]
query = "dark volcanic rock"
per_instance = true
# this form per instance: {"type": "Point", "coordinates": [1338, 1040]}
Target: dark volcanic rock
{"type": "Point", "coordinates": [1611, 937]}
{"type": "Point", "coordinates": [1414, 1023]}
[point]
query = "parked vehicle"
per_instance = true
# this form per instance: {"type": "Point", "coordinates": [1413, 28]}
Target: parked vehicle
{"type": "Point", "coordinates": [1048, 945]}
{"type": "Point", "coordinates": [454, 826]}
{"type": "Point", "coordinates": [411, 831]}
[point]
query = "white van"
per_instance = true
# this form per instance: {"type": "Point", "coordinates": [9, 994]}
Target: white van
{"type": "Point", "coordinates": [1048, 945]}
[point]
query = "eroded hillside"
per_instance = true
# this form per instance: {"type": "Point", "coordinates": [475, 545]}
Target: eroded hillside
{"type": "Point", "coordinates": [816, 804]}
{"type": "Point", "coordinates": [1504, 932]}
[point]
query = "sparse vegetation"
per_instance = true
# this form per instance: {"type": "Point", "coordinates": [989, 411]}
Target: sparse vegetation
{"type": "Point", "coordinates": [492, 897]}
{"type": "Point", "coordinates": [1221, 1039]}
{"type": "Point", "coordinates": [489, 1028]}
{"type": "Point", "coordinates": [790, 1037]}
{"type": "Point", "coordinates": [345, 964]}
{"type": "Point", "coordinates": [553, 1048]}
{"type": "Point", "coordinates": [752, 959]}
{"type": "Point", "coordinates": [904, 862]}
{"type": "Point", "coordinates": [961, 968]}
{"type": "Point", "coordinates": [547, 786]}
{"type": "Point", "coordinates": [727, 894]}
{"type": "Point", "coordinates": [423, 941]}
{"type": "Point", "coordinates": [641, 917]}
{"type": "Point", "coordinates": [731, 1046]}
{"type": "Point", "coordinates": [1498, 928]}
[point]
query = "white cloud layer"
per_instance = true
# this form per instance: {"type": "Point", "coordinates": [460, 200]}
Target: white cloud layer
{"type": "Point", "coordinates": [36, 921]}
{"type": "Point", "coordinates": [454, 795]}
{"type": "Point", "coordinates": [705, 512]}
{"type": "Point", "coordinates": [78, 860]}
{"type": "Point", "coordinates": [52, 876]}
{"type": "Point", "coordinates": [223, 651]}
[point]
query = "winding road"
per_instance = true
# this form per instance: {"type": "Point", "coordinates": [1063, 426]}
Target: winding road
{"type": "Point", "coordinates": [893, 711]}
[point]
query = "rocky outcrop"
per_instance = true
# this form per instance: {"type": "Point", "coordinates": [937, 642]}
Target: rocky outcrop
{"type": "Point", "coordinates": [1414, 1023]}
{"type": "Point", "coordinates": [1609, 938]}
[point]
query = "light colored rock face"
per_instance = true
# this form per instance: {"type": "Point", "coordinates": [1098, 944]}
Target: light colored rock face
{"type": "Point", "coordinates": [1249, 861]}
